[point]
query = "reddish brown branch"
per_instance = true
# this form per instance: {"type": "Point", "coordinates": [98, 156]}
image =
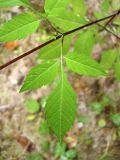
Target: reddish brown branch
{"type": "Point", "coordinates": [58, 37]}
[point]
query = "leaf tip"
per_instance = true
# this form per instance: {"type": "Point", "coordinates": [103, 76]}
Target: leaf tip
{"type": "Point", "coordinates": [22, 89]}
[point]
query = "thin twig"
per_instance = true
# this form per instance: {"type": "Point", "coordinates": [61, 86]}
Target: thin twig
{"type": "Point", "coordinates": [110, 20]}
{"type": "Point", "coordinates": [108, 31]}
{"type": "Point", "coordinates": [58, 37]}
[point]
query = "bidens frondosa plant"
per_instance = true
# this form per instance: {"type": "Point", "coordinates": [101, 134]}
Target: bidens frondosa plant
{"type": "Point", "coordinates": [66, 17]}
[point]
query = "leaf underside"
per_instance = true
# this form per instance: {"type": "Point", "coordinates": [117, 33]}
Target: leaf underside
{"type": "Point", "coordinates": [60, 109]}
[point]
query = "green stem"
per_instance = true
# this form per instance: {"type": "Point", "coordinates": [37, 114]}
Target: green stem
{"type": "Point", "coordinates": [61, 57]}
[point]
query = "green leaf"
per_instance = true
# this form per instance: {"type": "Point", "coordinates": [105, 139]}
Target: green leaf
{"type": "Point", "coordinates": [34, 156]}
{"type": "Point", "coordinates": [108, 58]}
{"type": "Point", "coordinates": [117, 21]}
{"type": "Point", "coordinates": [85, 42]}
{"type": "Point", "coordinates": [83, 119]}
{"type": "Point", "coordinates": [106, 101]}
{"type": "Point", "coordinates": [43, 128]}
{"type": "Point", "coordinates": [19, 27]}
{"type": "Point", "coordinates": [10, 3]}
{"type": "Point", "coordinates": [97, 107]}
{"type": "Point", "coordinates": [83, 65]}
{"type": "Point", "coordinates": [79, 7]}
{"type": "Point", "coordinates": [66, 20]}
{"type": "Point", "coordinates": [51, 6]}
{"type": "Point", "coordinates": [60, 109]}
{"type": "Point", "coordinates": [54, 49]}
{"type": "Point", "coordinates": [115, 118]}
{"type": "Point", "coordinates": [40, 75]}
{"type": "Point", "coordinates": [117, 69]}
{"type": "Point", "coordinates": [71, 153]}
{"type": "Point", "coordinates": [104, 9]}
{"type": "Point", "coordinates": [32, 106]}
{"type": "Point", "coordinates": [102, 123]}
{"type": "Point", "coordinates": [105, 5]}
{"type": "Point", "coordinates": [115, 4]}
{"type": "Point", "coordinates": [60, 149]}
{"type": "Point", "coordinates": [26, 3]}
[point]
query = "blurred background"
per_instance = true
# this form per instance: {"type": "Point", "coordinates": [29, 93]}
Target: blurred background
{"type": "Point", "coordinates": [24, 134]}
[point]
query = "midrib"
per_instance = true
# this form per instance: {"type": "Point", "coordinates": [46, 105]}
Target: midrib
{"type": "Point", "coordinates": [25, 25]}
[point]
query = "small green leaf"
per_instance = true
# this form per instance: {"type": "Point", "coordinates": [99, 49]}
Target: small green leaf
{"type": "Point", "coordinates": [101, 123]}
{"type": "Point", "coordinates": [32, 106]}
{"type": "Point", "coordinates": [51, 6]}
{"type": "Point", "coordinates": [60, 109]}
{"type": "Point", "coordinates": [71, 154]}
{"type": "Point", "coordinates": [19, 27]}
{"type": "Point", "coordinates": [83, 65]}
{"type": "Point", "coordinates": [54, 49]}
{"type": "Point", "coordinates": [106, 101]}
{"type": "Point", "coordinates": [108, 58]}
{"type": "Point", "coordinates": [60, 149]}
{"type": "Point", "coordinates": [83, 119]}
{"type": "Point", "coordinates": [34, 156]}
{"type": "Point", "coordinates": [45, 145]}
{"type": "Point", "coordinates": [115, 118]}
{"type": "Point", "coordinates": [43, 128]}
{"type": "Point", "coordinates": [85, 42]}
{"type": "Point", "coordinates": [40, 75]}
{"type": "Point", "coordinates": [117, 69]}
{"type": "Point", "coordinates": [96, 107]}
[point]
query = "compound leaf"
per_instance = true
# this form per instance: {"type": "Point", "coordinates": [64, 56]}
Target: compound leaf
{"type": "Point", "coordinates": [40, 75]}
{"type": "Point", "coordinates": [61, 108]}
{"type": "Point", "coordinates": [19, 27]}
{"type": "Point", "coordinates": [84, 65]}
{"type": "Point", "coordinates": [58, 14]}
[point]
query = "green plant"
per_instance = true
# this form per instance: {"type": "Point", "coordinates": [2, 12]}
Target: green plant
{"type": "Point", "coordinates": [32, 105]}
{"type": "Point", "coordinates": [34, 156]}
{"type": "Point", "coordinates": [115, 118]}
{"type": "Point", "coordinates": [60, 109]}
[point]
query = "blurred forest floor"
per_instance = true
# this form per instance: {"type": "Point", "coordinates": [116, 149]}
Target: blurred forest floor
{"type": "Point", "coordinates": [24, 136]}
